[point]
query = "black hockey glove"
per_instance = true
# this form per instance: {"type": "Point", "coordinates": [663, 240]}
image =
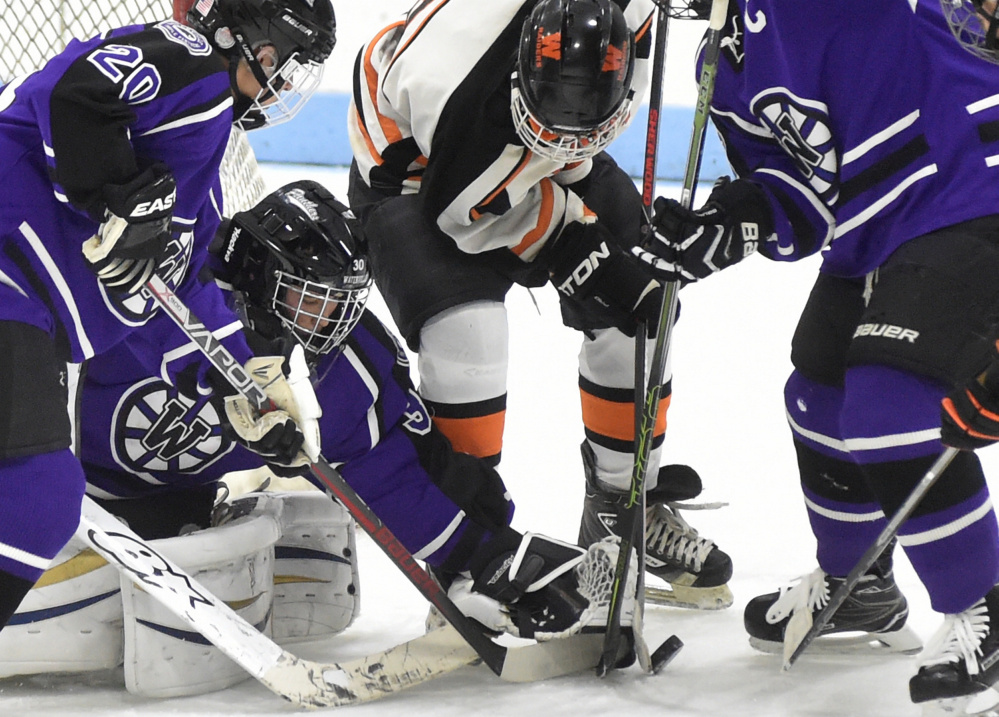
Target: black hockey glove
{"type": "Point", "coordinates": [969, 416]}
{"type": "Point", "coordinates": [689, 245]}
{"type": "Point", "coordinates": [133, 238]}
{"type": "Point", "coordinates": [589, 268]}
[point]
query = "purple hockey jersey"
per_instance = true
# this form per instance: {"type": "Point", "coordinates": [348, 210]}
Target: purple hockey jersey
{"type": "Point", "coordinates": [858, 118]}
{"type": "Point", "coordinates": [97, 114]}
{"type": "Point", "coordinates": [139, 435]}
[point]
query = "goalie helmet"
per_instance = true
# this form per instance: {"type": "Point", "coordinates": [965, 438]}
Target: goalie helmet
{"type": "Point", "coordinates": [571, 93]}
{"type": "Point", "coordinates": [975, 24]}
{"type": "Point", "coordinates": [298, 260]}
{"type": "Point", "coordinates": [302, 34]}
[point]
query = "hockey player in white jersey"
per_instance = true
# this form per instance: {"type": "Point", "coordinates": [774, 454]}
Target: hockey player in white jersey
{"type": "Point", "coordinates": [479, 133]}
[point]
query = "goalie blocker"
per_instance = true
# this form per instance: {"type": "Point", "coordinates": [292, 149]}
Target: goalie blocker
{"type": "Point", "coordinates": [286, 562]}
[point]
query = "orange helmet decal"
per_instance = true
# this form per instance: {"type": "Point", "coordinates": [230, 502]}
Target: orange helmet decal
{"type": "Point", "coordinates": [549, 46]}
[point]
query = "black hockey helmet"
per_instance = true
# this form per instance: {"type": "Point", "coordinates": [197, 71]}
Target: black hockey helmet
{"type": "Point", "coordinates": [298, 259]}
{"type": "Point", "coordinates": [571, 93]}
{"type": "Point", "coordinates": [975, 24]}
{"type": "Point", "coordinates": [302, 33]}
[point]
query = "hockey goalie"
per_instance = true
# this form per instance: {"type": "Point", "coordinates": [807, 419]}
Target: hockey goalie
{"type": "Point", "coordinates": [155, 453]}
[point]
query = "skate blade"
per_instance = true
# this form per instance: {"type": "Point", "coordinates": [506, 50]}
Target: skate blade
{"type": "Point", "coordinates": [904, 642]}
{"type": "Point", "coordinates": [716, 598]}
{"type": "Point", "coordinates": [983, 704]}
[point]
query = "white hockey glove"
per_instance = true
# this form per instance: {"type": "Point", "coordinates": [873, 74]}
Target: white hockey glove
{"type": "Point", "coordinates": [287, 436]}
{"type": "Point", "coordinates": [133, 239]}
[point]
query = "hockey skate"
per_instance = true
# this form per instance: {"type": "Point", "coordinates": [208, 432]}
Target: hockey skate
{"type": "Point", "coordinates": [695, 569]}
{"type": "Point", "coordinates": [871, 619]}
{"type": "Point", "coordinates": [960, 664]}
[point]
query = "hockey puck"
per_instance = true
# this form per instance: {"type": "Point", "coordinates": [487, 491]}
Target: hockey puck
{"type": "Point", "coordinates": [665, 653]}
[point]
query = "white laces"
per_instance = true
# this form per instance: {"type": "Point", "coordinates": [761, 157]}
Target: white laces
{"type": "Point", "coordinates": [809, 592]}
{"type": "Point", "coordinates": [669, 534]}
{"type": "Point", "coordinates": [959, 638]}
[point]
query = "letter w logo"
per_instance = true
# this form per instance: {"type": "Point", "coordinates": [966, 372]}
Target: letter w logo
{"type": "Point", "coordinates": [614, 61]}
{"type": "Point", "coordinates": [549, 46]}
{"type": "Point", "coordinates": [169, 437]}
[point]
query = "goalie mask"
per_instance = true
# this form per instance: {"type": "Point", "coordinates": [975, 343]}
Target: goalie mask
{"type": "Point", "coordinates": [298, 259]}
{"type": "Point", "coordinates": [284, 42]}
{"type": "Point", "coordinates": [571, 93]}
{"type": "Point", "coordinates": [975, 24]}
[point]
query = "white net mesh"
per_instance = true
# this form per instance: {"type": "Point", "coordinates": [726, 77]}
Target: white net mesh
{"type": "Point", "coordinates": [32, 31]}
{"type": "Point", "coordinates": [595, 576]}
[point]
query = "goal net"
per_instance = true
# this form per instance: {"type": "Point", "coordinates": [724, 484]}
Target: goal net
{"type": "Point", "coordinates": [32, 31]}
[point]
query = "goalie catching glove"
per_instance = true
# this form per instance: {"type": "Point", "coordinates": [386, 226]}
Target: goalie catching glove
{"type": "Point", "coordinates": [132, 240]}
{"type": "Point", "coordinates": [533, 586]}
{"type": "Point", "coordinates": [689, 245]}
{"type": "Point", "coordinates": [970, 415]}
{"type": "Point", "coordinates": [589, 268]}
{"type": "Point", "coordinates": [286, 437]}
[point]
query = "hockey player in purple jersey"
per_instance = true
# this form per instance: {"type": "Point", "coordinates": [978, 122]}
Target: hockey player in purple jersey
{"type": "Point", "coordinates": [892, 175]}
{"type": "Point", "coordinates": [483, 164]}
{"type": "Point", "coordinates": [298, 270]}
{"type": "Point", "coordinates": [109, 158]}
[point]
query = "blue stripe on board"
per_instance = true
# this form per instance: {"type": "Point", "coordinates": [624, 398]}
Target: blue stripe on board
{"type": "Point", "coordinates": [318, 135]}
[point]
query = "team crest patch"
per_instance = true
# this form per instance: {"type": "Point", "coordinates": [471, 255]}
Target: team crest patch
{"type": "Point", "coordinates": [802, 129]}
{"type": "Point", "coordinates": [158, 429]}
{"type": "Point", "coordinates": [194, 41]}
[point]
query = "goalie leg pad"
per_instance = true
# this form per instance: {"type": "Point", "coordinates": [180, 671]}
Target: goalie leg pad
{"type": "Point", "coordinates": [316, 586]}
{"type": "Point", "coordinates": [70, 621]}
{"type": "Point", "coordinates": [165, 658]}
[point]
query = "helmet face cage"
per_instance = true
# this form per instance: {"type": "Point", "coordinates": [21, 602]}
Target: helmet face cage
{"type": "Point", "coordinates": [319, 315]}
{"type": "Point", "coordinates": [301, 35]}
{"type": "Point", "coordinates": [974, 26]}
{"type": "Point", "coordinates": [571, 93]}
{"type": "Point", "coordinates": [284, 94]}
{"type": "Point", "coordinates": [564, 145]}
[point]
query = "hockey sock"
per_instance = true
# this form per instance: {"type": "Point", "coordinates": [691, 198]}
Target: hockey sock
{"type": "Point", "coordinates": [844, 513]}
{"type": "Point", "coordinates": [952, 538]}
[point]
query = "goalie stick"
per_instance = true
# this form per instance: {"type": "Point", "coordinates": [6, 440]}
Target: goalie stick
{"type": "Point", "coordinates": [551, 659]}
{"type": "Point", "coordinates": [802, 628]}
{"type": "Point", "coordinates": [647, 406]}
{"type": "Point", "coordinates": [308, 683]}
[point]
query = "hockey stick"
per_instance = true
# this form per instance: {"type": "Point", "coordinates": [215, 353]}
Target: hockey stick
{"type": "Point", "coordinates": [667, 314]}
{"type": "Point", "coordinates": [802, 631]}
{"type": "Point", "coordinates": [302, 682]}
{"type": "Point", "coordinates": [633, 515]}
{"type": "Point", "coordinates": [549, 659]}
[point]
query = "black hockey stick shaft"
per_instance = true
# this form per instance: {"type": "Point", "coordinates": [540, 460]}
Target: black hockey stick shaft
{"type": "Point", "coordinates": [867, 559]}
{"type": "Point", "coordinates": [633, 514]}
{"type": "Point", "coordinates": [645, 428]}
{"type": "Point", "coordinates": [493, 655]}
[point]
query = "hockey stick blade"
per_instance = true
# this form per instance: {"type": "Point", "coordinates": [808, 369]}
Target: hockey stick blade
{"type": "Point", "coordinates": [308, 683]}
{"type": "Point", "coordinates": [302, 682]}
